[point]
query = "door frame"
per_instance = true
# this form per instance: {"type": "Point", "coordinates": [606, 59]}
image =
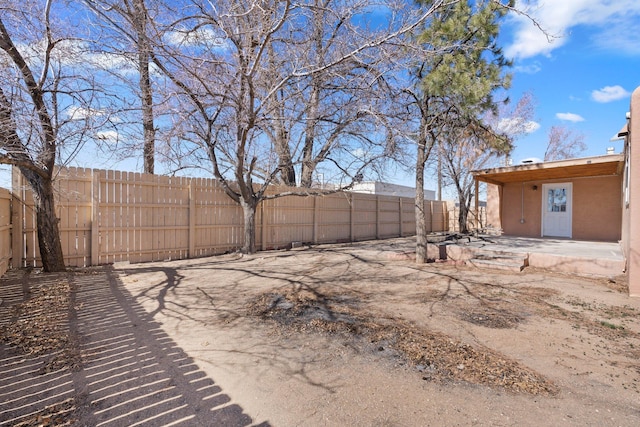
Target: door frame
{"type": "Point", "coordinates": [545, 199]}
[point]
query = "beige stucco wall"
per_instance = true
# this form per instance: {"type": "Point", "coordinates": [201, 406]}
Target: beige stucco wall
{"type": "Point", "coordinates": [597, 208]}
{"type": "Point", "coordinates": [597, 212]}
{"type": "Point", "coordinates": [521, 209]}
{"type": "Point", "coordinates": [494, 217]}
{"type": "Point", "coordinates": [632, 211]}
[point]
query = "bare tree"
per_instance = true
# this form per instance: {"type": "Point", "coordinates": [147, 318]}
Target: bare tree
{"type": "Point", "coordinates": [127, 23]}
{"type": "Point", "coordinates": [138, 12]}
{"type": "Point", "coordinates": [260, 104]}
{"type": "Point", "coordinates": [480, 144]}
{"type": "Point", "coordinates": [563, 144]}
{"type": "Point", "coordinates": [46, 107]}
{"type": "Point", "coordinates": [473, 147]}
{"type": "Point", "coordinates": [343, 103]}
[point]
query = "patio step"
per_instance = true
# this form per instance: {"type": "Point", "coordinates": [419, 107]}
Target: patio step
{"type": "Point", "coordinates": [499, 261]}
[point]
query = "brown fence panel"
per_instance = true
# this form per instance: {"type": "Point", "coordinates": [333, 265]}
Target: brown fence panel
{"type": "Point", "coordinates": [141, 217]}
{"type": "Point", "coordinates": [454, 212]}
{"type": "Point", "coordinates": [25, 239]}
{"type": "Point", "coordinates": [389, 217]}
{"type": "Point", "coordinates": [5, 230]}
{"type": "Point", "coordinates": [438, 216]}
{"type": "Point", "coordinates": [219, 220]}
{"type": "Point", "coordinates": [365, 223]}
{"type": "Point", "coordinates": [408, 210]}
{"type": "Point", "coordinates": [73, 208]}
{"type": "Point", "coordinates": [333, 218]}
{"type": "Point", "coordinates": [284, 220]}
{"type": "Point", "coordinates": [111, 216]}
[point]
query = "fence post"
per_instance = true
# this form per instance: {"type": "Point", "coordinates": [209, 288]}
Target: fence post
{"type": "Point", "coordinates": [352, 217]}
{"type": "Point", "coordinates": [263, 212]}
{"type": "Point", "coordinates": [445, 217]}
{"type": "Point", "coordinates": [95, 214]}
{"type": "Point", "coordinates": [431, 215]}
{"type": "Point", "coordinates": [377, 217]}
{"type": "Point", "coordinates": [17, 219]}
{"type": "Point", "coordinates": [400, 214]}
{"type": "Point", "coordinates": [192, 219]}
{"type": "Point", "coordinates": [316, 214]}
{"type": "Point", "coordinates": [477, 200]}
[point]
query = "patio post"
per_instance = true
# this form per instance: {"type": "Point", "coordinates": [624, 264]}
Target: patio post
{"type": "Point", "coordinates": [477, 221]}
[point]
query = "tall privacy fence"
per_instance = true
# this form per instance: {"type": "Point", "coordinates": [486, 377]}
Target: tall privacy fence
{"type": "Point", "coordinates": [111, 216]}
{"type": "Point", "coordinates": [454, 211]}
{"type": "Point", "coordinates": [5, 230]}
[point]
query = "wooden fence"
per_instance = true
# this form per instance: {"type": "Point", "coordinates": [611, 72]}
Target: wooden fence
{"type": "Point", "coordinates": [5, 230]}
{"type": "Point", "coordinates": [454, 212]}
{"type": "Point", "coordinates": [111, 216]}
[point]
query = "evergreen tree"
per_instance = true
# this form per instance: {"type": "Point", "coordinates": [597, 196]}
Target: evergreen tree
{"type": "Point", "coordinates": [456, 82]}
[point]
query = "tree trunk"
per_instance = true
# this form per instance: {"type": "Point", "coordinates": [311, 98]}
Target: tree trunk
{"type": "Point", "coordinates": [249, 214]}
{"type": "Point", "coordinates": [146, 94]}
{"type": "Point", "coordinates": [287, 171]}
{"type": "Point", "coordinates": [421, 223]}
{"type": "Point", "coordinates": [308, 164]}
{"type": "Point", "coordinates": [47, 222]}
{"type": "Point", "coordinates": [288, 175]}
{"type": "Point", "coordinates": [439, 197]}
{"type": "Point", "coordinates": [463, 216]}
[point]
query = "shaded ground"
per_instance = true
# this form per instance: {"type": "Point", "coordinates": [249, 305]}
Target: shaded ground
{"type": "Point", "coordinates": [351, 335]}
{"type": "Point", "coordinates": [76, 350]}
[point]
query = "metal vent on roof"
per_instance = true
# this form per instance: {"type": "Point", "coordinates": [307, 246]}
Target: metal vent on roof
{"type": "Point", "coordinates": [530, 160]}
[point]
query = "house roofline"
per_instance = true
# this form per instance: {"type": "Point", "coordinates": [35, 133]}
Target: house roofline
{"type": "Point", "coordinates": [610, 164]}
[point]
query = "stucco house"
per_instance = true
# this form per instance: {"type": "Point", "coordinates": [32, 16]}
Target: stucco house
{"type": "Point", "coordinates": [577, 199]}
{"type": "Point", "coordinates": [590, 199]}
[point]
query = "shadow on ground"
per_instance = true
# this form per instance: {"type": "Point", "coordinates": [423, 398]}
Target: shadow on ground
{"type": "Point", "coordinates": [130, 373]}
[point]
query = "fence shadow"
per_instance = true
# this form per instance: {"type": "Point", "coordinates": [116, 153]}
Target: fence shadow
{"type": "Point", "coordinates": [132, 372]}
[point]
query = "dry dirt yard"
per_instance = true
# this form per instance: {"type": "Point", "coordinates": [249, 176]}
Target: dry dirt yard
{"type": "Point", "coordinates": [352, 334]}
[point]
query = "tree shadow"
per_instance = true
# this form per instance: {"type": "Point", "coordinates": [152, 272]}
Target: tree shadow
{"type": "Point", "coordinates": [208, 306]}
{"type": "Point", "coordinates": [132, 372]}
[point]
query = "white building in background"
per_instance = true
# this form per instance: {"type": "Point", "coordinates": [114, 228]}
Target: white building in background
{"type": "Point", "coordinates": [387, 189]}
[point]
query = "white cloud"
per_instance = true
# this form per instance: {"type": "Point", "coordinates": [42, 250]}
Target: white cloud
{"type": "Point", "coordinates": [76, 53]}
{"type": "Point", "coordinates": [570, 117]}
{"type": "Point", "coordinates": [557, 17]}
{"type": "Point", "coordinates": [516, 126]}
{"type": "Point", "coordinates": [108, 136]}
{"type": "Point", "coordinates": [531, 126]}
{"type": "Point", "coordinates": [360, 153]}
{"type": "Point", "coordinates": [81, 113]}
{"type": "Point", "coordinates": [609, 94]}
{"type": "Point", "coordinates": [199, 37]}
{"type": "Point", "coordinates": [528, 69]}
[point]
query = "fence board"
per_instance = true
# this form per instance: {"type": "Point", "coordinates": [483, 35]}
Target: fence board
{"type": "Point", "coordinates": [5, 230]}
{"type": "Point", "coordinates": [365, 221]}
{"type": "Point", "coordinates": [334, 218]}
{"type": "Point", "coordinates": [111, 216]}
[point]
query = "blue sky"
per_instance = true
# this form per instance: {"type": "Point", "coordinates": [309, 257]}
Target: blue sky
{"type": "Point", "coordinates": [583, 78]}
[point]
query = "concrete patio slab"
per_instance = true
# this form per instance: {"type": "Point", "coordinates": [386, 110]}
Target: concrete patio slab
{"type": "Point", "coordinates": [564, 255]}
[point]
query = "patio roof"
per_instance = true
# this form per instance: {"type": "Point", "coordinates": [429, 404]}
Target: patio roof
{"type": "Point", "coordinates": [611, 164]}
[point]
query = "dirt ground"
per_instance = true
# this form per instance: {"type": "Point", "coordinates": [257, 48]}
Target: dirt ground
{"type": "Point", "coordinates": [354, 335]}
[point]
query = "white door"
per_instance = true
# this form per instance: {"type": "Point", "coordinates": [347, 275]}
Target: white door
{"type": "Point", "coordinates": [556, 210]}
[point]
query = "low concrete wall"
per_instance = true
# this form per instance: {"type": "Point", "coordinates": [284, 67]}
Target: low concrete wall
{"type": "Point", "coordinates": [576, 265]}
